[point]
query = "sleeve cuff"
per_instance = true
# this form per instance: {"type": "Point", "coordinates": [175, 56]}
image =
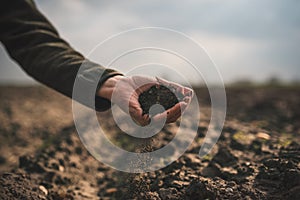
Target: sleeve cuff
{"type": "Point", "coordinates": [102, 104]}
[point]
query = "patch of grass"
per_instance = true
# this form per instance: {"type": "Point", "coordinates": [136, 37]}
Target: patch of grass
{"type": "Point", "coordinates": [285, 139]}
{"type": "Point", "coordinates": [240, 136]}
{"type": "Point", "coordinates": [207, 157]}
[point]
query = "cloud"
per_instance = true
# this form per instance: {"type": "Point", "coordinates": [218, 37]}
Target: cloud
{"type": "Point", "coordinates": [243, 37]}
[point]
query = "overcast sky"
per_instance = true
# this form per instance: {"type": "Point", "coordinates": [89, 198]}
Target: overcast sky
{"type": "Point", "coordinates": [252, 40]}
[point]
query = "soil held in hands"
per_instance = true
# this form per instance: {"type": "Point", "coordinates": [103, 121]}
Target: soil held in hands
{"type": "Point", "coordinates": [159, 94]}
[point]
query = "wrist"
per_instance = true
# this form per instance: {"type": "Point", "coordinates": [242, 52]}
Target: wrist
{"type": "Point", "coordinates": [107, 88]}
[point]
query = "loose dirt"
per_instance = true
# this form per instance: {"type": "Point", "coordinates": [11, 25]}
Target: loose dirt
{"type": "Point", "coordinates": [256, 157]}
{"type": "Point", "coordinates": [161, 95]}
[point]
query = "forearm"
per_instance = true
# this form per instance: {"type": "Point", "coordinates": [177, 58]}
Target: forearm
{"type": "Point", "coordinates": [34, 43]}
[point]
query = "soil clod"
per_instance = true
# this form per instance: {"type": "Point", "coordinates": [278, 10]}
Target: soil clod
{"type": "Point", "coordinates": [159, 94]}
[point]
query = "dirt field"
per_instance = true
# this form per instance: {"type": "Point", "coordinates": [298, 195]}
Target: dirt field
{"type": "Point", "coordinates": [257, 156]}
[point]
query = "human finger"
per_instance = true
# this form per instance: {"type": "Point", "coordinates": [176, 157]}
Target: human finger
{"type": "Point", "coordinates": [178, 112]}
{"type": "Point", "coordinates": [170, 113]}
{"type": "Point", "coordinates": [143, 83]}
{"type": "Point", "coordinates": [179, 88]}
{"type": "Point", "coordinates": [137, 115]}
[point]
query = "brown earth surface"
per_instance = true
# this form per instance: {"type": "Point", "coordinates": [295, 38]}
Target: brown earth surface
{"type": "Point", "coordinates": [256, 157]}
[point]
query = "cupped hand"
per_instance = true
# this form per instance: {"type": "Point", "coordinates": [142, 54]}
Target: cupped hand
{"type": "Point", "coordinates": [124, 91]}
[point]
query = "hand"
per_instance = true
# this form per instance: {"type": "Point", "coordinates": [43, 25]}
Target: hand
{"type": "Point", "coordinates": [126, 94]}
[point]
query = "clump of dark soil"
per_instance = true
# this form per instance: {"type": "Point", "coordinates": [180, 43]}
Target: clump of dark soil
{"type": "Point", "coordinates": [159, 94]}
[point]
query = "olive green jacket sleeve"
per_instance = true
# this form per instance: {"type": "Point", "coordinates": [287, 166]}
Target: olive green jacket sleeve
{"type": "Point", "coordinates": [33, 42]}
